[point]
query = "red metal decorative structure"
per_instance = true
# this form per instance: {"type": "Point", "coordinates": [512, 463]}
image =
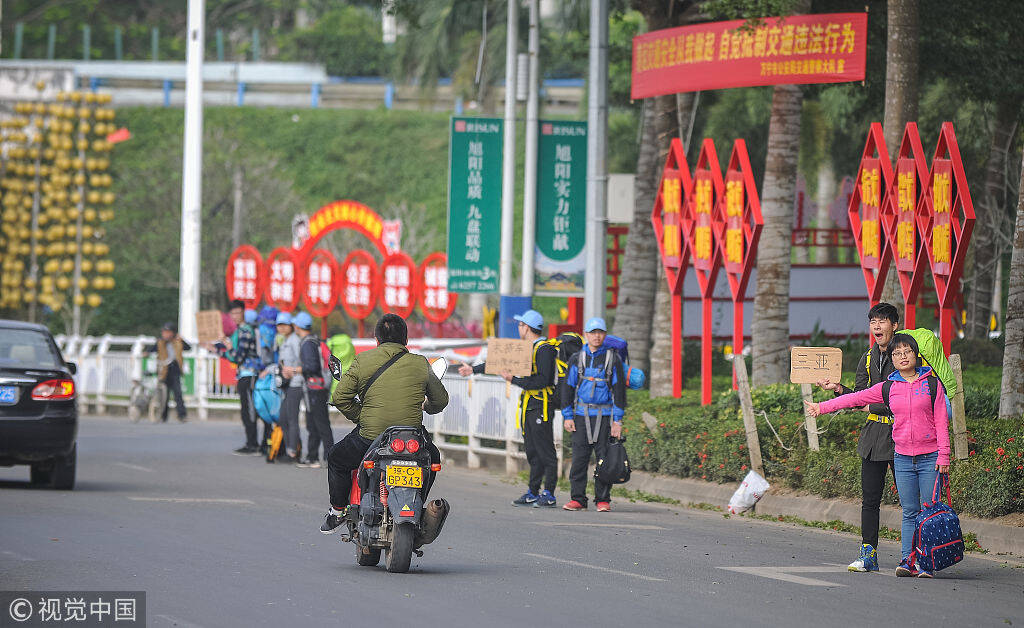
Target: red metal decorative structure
{"type": "Point", "coordinates": [738, 225]}
{"type": "Point", "coordinates": [666, 217]}
{"type": "Point", "coordinates": [945, 220]}
{"type": "Point", "coordinates": [873, 178]}
{"type": "Point", "coordinates": [436, 303]}
{"type": "Point", "coordinates": [244, 275]}
{"type": "Point", "coordinates": [698, 215]}
{"type": "Point", "coordinates": [899, 211]}
{"type": "Point", "coordinates": [401, 284]}
{"type": "Point", "coordinates": [359, 286]}
{"type": "Point", "coordinates": [283, 281]}
{"type": "Point", "coordinates": [319, 293]}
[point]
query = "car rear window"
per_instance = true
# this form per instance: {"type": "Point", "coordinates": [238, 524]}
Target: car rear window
{"type": "Point", "coordinates": [27, 348]}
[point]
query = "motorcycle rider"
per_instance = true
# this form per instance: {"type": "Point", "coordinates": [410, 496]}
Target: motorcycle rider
{"type": "Point", "coordinates": [401, 388]}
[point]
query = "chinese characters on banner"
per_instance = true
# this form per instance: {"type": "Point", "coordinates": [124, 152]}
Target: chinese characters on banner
{"type": "Point", "coordinates": [320, 296]}
{"type": "Point", "coordinates": [906, 204]}
{"type": "Point", "coordinates": [870, 199]}
{"type": "Point", "coordinates": [244, 281]}
{"type": "Point", "coordinates": [702, 216]}
{"type": "Point", "coordinates": [560, 262]}
{"type": "Point", "coordinates": [474, 204]}
{"type": "Point", "coordinates": [359, 284]}
{"type": "Point", "coordinates": [942, 235]}
{"type": "Point", "coordinates": [400, 284]}
{"type": "Point", "coordinates": [283, 282]}
{"type": "Point", "coordinates": [671, 207]}
{"type": "Point", "coordinates": [734, 221]}
{"type": "Point", "coordinates": [821, 48]}
{"type": "Point", "coordinates": [435, 301]}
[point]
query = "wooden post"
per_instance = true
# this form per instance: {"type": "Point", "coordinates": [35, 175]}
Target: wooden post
{"type": "Point", "coordinates": [959, 418]}
{"type": "Point", "coordinates": [747, 405]}
{"type": "Point", "coordinates": [810, 422]}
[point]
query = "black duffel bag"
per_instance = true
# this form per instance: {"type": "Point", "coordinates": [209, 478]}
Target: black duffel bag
{"type": "Point", "coordinates": [614, 467]}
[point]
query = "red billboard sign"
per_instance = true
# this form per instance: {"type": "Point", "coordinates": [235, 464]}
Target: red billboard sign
{"type": "Point", "coordinates": [320, 295]}
{"type": "Point", "coordinates": [400, 284]}
{"type": "Point", "coordinates": [244, 276]}
{"type": "Point", "coordinates": [283, 281]}
{"type": "Point", "coordinates": [823, 48]}
{"type": "Point", "coordinates": [436, 302]}
{"type": "Point", "coordinates": [873, 180]}
{"type": "Point", "coordinates": [359, 284]}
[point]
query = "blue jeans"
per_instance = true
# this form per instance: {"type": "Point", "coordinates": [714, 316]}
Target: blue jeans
{"type": "Point", "coordinates": [915, 481]}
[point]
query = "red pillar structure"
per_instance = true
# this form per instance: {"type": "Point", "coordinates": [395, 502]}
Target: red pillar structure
{"type": "Point", "coordinates": [698, 216]}
{"type": "Point", "coordinates": [666, 218]}
{"type": "Point", "coordinates": [738, 230]}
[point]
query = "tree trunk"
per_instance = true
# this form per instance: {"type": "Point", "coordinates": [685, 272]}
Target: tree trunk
{"type": "Point", "coordinates": [238, 180]}
{"type": "Point", "coordinates": [991, 214]}
{"type": "Point", "coordinates": [901, 96]}
{"type": "Point", "coordinates": [771, 303]}
{"type": "Point", "coordinates": [1011, 398]}
{"type": "Point", "coordinates": [661, 351]}
{"type": "Point", "coordinates": [826, 194]}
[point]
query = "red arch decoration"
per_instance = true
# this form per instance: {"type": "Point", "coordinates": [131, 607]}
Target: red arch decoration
{"type": "Point", "coordinates": [344, 214]}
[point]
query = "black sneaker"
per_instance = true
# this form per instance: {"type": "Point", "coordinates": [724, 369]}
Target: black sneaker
{"type": "Point", "coordinates": [244, 451]}
{"type": "Point", "coordinates": [332, 522]}
{"type": "Point", "coordinates": [286, 459]}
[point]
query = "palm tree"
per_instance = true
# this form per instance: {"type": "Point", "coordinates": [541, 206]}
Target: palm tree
{"type": "Point", "coordinates": [1011, 398]}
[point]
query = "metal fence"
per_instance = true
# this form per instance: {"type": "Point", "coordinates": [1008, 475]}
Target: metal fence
{"type": "Point", "coordinates": [480, 420]}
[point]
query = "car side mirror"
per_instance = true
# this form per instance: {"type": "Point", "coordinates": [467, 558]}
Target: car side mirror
{"type": "Point", "coordinates": [72, 367]}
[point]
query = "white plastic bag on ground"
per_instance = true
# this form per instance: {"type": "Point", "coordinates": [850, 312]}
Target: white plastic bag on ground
{"type": "Point", "coordinates": [749, 493]}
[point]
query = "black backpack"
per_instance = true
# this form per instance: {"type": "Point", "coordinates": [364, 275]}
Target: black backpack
{"type": "Point", "coordinates": [568, 344]}
{"type": "Point", "coordinates": [933, 389]}
{"type": "Point", "coordinates": [614, 467]}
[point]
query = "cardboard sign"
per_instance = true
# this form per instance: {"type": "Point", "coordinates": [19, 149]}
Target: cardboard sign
{"type": "Point", "coordinates": [508, 354]}
{"type": "Point", "coordinates": [810, 365]}
{"type": "Point", "coordinates": [209, 326]}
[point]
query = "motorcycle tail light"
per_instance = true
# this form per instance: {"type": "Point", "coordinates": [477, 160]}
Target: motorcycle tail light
{"type": "Point", "coordinates": [398, 445]}
{"type": "Point", "coordinates": [412, 445]}
{"type": "Point", "coordinates": [368, 464]}
{"type": "Point", "coordinates": [435, 467]}
{"type": "Point", "coordinates": [54, 390]}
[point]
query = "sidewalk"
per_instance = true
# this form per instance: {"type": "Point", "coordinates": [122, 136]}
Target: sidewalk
{"type": "Point", "coordinates": [994, 537]}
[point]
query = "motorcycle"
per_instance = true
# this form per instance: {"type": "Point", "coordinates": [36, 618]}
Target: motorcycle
{"type": "Point", "coordinates": [389, 510]}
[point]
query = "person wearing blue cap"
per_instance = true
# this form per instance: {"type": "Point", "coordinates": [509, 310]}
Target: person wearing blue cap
{"type": "Point", "coordinates": [535, 413]}
{"type": "Point", "coordinates": [315, 391]}
{"type": "Point", "coordinates": [593, 392]}
{"type": "Point", "coordinates": [289, 365]}
{"type": "Point", "coordinates": [242, 350]}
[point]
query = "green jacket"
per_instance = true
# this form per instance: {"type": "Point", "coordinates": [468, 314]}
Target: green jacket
{"type": "Point", "coordinates": [396, 398]}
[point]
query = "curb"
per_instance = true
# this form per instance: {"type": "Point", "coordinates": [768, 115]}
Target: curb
{"type": "Point", "coordinates": [994, 537]}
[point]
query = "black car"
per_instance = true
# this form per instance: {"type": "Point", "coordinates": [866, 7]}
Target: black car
{"type": "Point", "coordinates": [38, 405]}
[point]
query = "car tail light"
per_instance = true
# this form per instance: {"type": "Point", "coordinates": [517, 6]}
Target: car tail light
{"type": "Point", "coordinates": [398, 445]}
{"type": "Point", "coordinates": [54, 390]}
{"type": "Point", "coordinates": [412, 445]}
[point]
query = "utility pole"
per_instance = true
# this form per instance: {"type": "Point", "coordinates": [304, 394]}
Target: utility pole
{"type": "Point", "coordinates": [530, 178]}
{"type": "Point", "coordinates": [594, 292]}
{"type": "Point", "coordinates": [191, 185]}
{"type": "Point", "coordinates": [508, 172]}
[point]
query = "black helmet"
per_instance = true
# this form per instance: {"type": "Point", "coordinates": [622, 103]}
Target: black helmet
{"type": "Point", "coordinates": [171, 327]}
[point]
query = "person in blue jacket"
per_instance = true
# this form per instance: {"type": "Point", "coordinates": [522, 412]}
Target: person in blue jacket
{"type": "Point", "coordinates": [594, 395]}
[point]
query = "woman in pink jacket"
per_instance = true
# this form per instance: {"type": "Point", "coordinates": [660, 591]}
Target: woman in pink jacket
{"type": "Point", "coordinates": [920, 431]}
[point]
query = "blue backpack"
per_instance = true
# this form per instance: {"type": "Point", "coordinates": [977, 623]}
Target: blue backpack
{"type": "Point", "coordinates": [938, 540]}
{"type": "Point", "coordinates": [635, 378]}
{"type": "Point", "coordinates": [266, 399]}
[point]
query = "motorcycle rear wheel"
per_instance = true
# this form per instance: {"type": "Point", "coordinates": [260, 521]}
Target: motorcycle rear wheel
{"type": "Point", "coordinates": [370, 559]}
{"type": "Point", "coordinates": [400, 553]}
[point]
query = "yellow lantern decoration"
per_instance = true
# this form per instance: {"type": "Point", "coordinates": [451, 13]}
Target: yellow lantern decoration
{"type": "Point", "coordinates": [79, 299]}
{"type": "Point", "coordinates": [94, 300]}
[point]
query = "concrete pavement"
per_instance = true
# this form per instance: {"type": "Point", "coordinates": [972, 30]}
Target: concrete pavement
{"type": "Point", "coordinates": [223, 540]}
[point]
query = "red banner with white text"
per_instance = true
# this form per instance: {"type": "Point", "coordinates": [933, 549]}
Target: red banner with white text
{"type": "Point", "coordinates": [822, 48]}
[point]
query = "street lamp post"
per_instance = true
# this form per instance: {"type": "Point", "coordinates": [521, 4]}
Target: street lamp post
{"type": "Point", "coordinates": [191, 186]}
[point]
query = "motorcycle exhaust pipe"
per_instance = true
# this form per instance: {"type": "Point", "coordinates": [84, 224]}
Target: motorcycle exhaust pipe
{"type": "Point", "coordinates": [434, 515]}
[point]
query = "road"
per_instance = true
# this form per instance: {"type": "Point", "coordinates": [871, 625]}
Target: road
{"type": "Point", "coordinates": [222, 540]}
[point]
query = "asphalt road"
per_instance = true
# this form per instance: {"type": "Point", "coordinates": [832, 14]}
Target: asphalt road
{"type": "Point", "coordinates": [222, 540]}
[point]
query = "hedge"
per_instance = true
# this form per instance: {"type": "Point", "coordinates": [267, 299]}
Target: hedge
{"type": "Point", "coordinates": [709, 443]}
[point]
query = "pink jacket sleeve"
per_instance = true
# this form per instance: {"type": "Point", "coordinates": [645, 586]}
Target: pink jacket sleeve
{"type": "Point", "coordinates": [857, 399]}
{"type": "Point", "coordinates": [941, 425]}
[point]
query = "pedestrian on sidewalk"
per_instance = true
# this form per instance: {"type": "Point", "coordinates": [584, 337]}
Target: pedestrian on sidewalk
{"type": "Point", "coordinates": [315, 392]}
{"type": "Point", "coordinates": [170, 351]}
{"type": "Point", "coordinates": [536, 410]}
{"type": "Point", "coordinates": [289, 365]}
{"type": "Point", "coordinates": [920, 432]}
{"type": "Point", "coordinates": [242, 350]}
{"type": "Point", "coordinates": [875, 446]}
{"type": "Point", "coordinates": [594, 394]}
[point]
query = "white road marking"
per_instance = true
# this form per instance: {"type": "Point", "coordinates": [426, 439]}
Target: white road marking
{"type": "Point", "coordinates": [134, 467]}
{"type": "Point", "coordinates": [192, 500]}
{"type": "Point", "coordinates": [177, 621]}
{"type": "Point", "coordinates": [787, 574]}
{"type": "Point", "coordinates": [625, 526]}
{"type": "Point", "coordinates": [17, 556]}
{"type": "Point", "coordinates": [597, 567]}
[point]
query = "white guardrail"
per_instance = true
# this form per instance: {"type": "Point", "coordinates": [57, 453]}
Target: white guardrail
{"type": "Point", "coordinates": [481, 410]}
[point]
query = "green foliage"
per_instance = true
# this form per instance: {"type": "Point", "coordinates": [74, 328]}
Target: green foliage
{"type": "Point", "coordinates": [709, 443]}
{"type": "Point", "coordinates": [978, 352]}
{"type": "Point", "coordinates": [346, 39]}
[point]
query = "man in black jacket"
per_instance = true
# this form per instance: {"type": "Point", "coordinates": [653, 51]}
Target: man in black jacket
{"type": "Point", "coordinates": [316, 390]}
{"type": "Point", "coordinates": [536, 411]}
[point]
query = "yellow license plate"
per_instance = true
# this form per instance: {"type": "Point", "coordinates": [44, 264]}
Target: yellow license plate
{"type": "Point", "coordinates": [407, 477]}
